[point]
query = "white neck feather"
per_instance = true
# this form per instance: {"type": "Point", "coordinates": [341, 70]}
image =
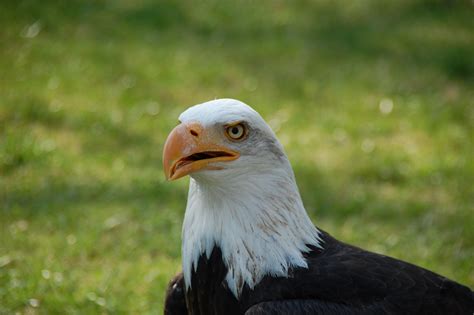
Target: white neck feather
{"type": "Point", "coordinates": [258, 221]}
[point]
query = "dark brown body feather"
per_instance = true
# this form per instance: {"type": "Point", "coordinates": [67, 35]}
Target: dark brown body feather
{"type": "Point", "coordinates": [341, 279]}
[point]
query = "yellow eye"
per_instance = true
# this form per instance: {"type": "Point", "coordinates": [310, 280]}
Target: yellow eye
{"type": "Point", "coordinates": [236, 132]}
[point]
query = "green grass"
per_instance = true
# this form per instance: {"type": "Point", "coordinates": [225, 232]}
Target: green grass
{"type": "Point", "coordinates": [90, 89]}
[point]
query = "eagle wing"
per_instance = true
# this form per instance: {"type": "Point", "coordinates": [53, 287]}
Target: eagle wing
{"type": "Point", "coordinates": [175, 302]}
{"type": "Point", "coordinates": [345, 279]}
{"type": "Point", "coordinates": [309, 307]}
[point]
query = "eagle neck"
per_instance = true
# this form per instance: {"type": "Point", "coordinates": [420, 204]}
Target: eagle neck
{"type": "Point", "coordinates": [257, 220]}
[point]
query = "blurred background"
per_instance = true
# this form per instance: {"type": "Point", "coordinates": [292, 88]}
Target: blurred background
{"type": "Point", "coordinates": [373, 100]}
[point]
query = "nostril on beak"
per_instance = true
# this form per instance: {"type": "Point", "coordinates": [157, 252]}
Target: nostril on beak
{"type": "Point", "coordinates": [194, 132]}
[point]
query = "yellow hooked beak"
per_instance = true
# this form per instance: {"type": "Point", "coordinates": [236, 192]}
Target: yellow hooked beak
{"type": "Point", "coordinates": [189, 148]}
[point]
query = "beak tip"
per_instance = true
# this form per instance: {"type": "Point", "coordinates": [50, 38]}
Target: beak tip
{"type": "Point", "coordinates": [169, 177]}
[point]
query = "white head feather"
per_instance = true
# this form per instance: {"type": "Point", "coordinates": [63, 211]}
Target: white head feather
{"type": "Point", "coordinates": [251, 208]}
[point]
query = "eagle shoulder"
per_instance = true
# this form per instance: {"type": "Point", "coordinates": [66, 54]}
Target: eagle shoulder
{"type": "Point", "coordinates": [175, 302]}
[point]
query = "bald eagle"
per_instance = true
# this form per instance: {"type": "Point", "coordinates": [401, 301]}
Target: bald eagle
{"type": "Point", "coordinates": [249, 247]}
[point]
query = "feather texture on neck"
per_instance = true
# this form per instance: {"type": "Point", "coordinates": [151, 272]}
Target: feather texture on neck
{"type": "Point", "coordinates": [257, 219]}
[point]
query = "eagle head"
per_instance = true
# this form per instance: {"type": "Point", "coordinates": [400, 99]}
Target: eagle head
{"type": "Point", "coordinates": [223, 135]}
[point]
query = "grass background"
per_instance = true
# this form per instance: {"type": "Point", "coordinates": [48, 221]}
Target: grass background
{"type": "Point", "coordinates": [373, 100]}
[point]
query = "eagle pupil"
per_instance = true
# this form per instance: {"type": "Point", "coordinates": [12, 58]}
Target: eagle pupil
{"type": "Point", "coordinates": [235, 130]}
